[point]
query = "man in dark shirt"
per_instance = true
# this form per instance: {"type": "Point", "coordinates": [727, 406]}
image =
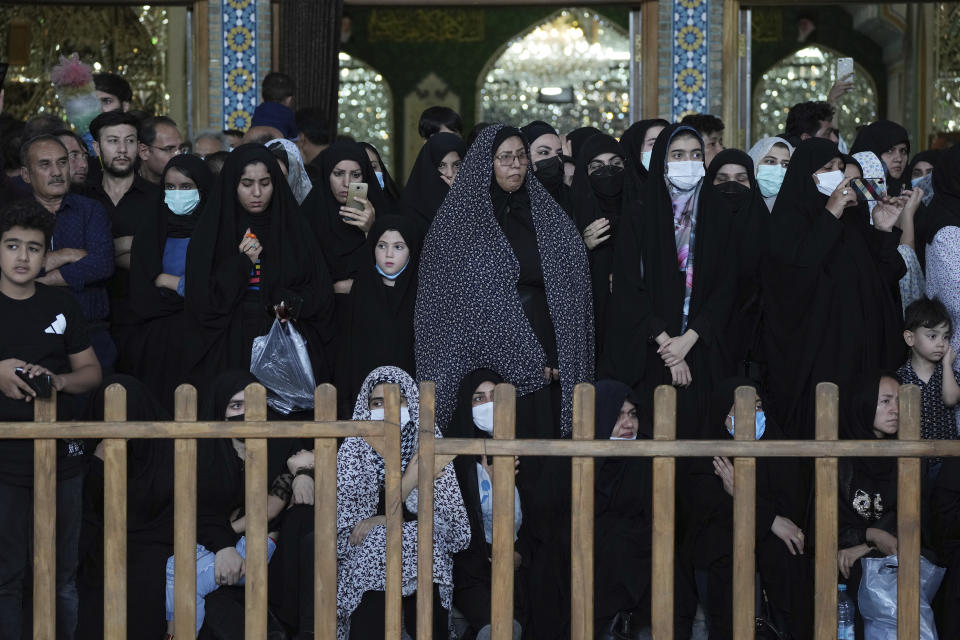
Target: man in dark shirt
{"type": "Point", "coordinates": [126, 196]}
{"type": "Point", "coordinates": [160, 140]}
{"type": "Point", "coordinates": [80, 256]}
{"type": "Point", "coordinates": [43, 336]}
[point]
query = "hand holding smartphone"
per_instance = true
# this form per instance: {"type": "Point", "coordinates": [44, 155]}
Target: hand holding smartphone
{"type": "Point", "coordinates": [42, 384]}
{"type": "Point", "coordinates": [354, 191]}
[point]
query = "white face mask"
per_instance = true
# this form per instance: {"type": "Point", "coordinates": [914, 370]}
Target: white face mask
{"type": "Point", "coordinates": [828, 182]}
{"type": "Point", "coordinates": [645, 159]}
{"type": "Point", "coordinates": [685, 175]}
{"type": "Point", "coordinates": [483, 417]}
{"type": "Point", "coordinates": [634, 437]}
{"type": "Point", "coordinates": [377, 414]}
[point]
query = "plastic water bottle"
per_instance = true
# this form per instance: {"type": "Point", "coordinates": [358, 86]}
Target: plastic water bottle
{"type": "Point", "coordinates": [845, 614]}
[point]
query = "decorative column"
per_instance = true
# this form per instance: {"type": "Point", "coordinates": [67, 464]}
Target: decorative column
{"type": "Point", "coordinates": [239, 41]}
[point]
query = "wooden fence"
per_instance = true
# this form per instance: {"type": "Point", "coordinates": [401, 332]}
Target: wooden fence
{"type": "Point", "coordinates": [434, 454]}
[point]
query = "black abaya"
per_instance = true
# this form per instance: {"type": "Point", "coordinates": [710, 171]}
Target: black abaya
{"type": "Point", "coordinates": [649, 288]}
{"type": "Point", "coordinates": [828, 307]}
{"type": "Point", "coordinates": [632, 141]}
{"type": "Point", "coordinates": [595, 197]}
{"type": "Point", "coordinates": [229, 308]}
{"type": "Point", "coordinates": [378, 319]}
{"type": "Point", "coordinates": [158, 335]}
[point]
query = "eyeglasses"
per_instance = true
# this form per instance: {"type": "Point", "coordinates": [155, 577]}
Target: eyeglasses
{"type": "Point", "coordinates": [599, 164]}
{"type": "Point", "coordinates": [172, 149]}
{"type": "Point", "coordinates": [506, 159]}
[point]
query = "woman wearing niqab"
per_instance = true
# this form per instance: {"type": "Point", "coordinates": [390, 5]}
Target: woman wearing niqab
{"type": "Point", "coordinates": [830, 312]}
{"type": "Point", "coordinates": [659, 296]}
{"type": "Point", "coordinates": [233, 294]}
{"type": "Point", "coordinates": [426, 188]}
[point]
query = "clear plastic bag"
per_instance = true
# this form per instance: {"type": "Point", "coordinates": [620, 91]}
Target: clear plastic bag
{"type": "Point", "coordinates": [877, 597]}
{"type": "Point", "coordinates": [279, 360]}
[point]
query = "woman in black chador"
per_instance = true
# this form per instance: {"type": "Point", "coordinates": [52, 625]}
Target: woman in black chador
{"type": "Point", "coordinates": [828, 277]}
{"type": "Point", "coordinates": [433, 172]}
{"type": "Point", "coordinates": [251, 251]}
{"type": "Point", "coordinates": [674, 283]}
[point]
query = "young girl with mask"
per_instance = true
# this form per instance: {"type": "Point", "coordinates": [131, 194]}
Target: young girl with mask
{"type": "Point", "coordinates": [771, 157]}
{"type": "Point", "coordinates": [667, 317]}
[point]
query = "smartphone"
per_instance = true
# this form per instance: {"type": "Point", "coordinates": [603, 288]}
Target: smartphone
{"type": "Point", "coordinates": [41, 385]}
{"type": "Point", "coordinates": [869, 189]}
{"type": "Point", "coordinates": [354, 191]}
{"type": "Point", "coordinates": [845, 70]}
{"type": "Point", "coordinates": [3, 73]}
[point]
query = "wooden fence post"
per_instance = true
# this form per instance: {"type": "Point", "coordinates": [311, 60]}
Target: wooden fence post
{"type": "Point", "coordinates": [664, 514]}
{"type": "Point", "coordinates": [825, 580]}
{"type": "Point", "coordinates": [744, 516]}
{"type": "Point", "coordinates": [255, 483]}
{"type": "Point", "coordinates": [185, 518]}
{"type": "Point", "coordinates": [325, 518]}
{"type": "Point", "coordinates": [45, 524]}
{"type": "Point", "coordinates": [425, 498]}
{"type": "Point", "coordinates": [392, 491]}
{"type": "Point", "coordinates": [501, 596]}
{"type": "Point", "coordinates": [115, 519]}
{"type": "Point", "coordinates": [908, 520]}
{"type": "Point", "coordinates": [581, 513]}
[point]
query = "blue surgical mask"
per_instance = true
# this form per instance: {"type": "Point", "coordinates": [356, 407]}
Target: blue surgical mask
{"type": "Point", "coordinates": [181, 202]}
{"type": "Point", "coordinates": [394, 276]}
{"type": "Point", "coordinates": [379, 175]}
{"type": "Point", "coordinates": [770, 179]}
{"type": "Point", "coordinates": [761, 424]}
{"type": "Point", "coordinates": [645, 159]}
{"type": "Point", "coordinates": [925, 183]}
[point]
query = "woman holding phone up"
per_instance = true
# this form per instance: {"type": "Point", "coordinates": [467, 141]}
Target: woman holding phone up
{"type": "Point", "coordinates": [341, 219]}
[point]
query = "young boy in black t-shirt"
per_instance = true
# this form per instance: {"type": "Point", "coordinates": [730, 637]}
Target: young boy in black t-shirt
{"type": "Point", "coordinates": [42, 332]}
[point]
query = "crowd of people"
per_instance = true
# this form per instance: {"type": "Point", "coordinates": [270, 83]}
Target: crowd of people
{"type": "Point", "coordinates": [509, 254]}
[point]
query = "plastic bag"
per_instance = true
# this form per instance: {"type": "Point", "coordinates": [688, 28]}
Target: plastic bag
{"type": "Point", "coordinates": [877, 598]}
{"type": "Point", "coordinates": [279, 360]}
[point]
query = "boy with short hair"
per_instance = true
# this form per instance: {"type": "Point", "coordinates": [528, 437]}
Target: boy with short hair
{"type": "Point", "coordinates": [42, 333]}
{"type": "Point", "coordinates": [927, 331]}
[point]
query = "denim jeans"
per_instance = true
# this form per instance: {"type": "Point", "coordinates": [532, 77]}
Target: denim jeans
{"type": "Point", "coordinates": [16, 546]}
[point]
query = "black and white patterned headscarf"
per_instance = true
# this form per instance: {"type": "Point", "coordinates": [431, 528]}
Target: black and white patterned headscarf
{"type": "Point", "coordinates": [360, 477]}
{"type": "Point", "coordinates": [469, 314]}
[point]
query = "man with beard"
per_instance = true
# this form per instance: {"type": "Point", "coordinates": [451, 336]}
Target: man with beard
{"type": "Point", "coordinates": [80, 255]}
{"type": "Point", "coordinates": [126, 196]}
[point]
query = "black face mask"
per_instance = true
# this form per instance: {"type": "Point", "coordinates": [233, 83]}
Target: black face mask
{"type": "Point", "coordinates": [732, 189]}
{"type": "Point", "coordinates": [549, 172]}
{"type": "Point", "coordinates": [607, 181]}
{"type": "Point", "coordinates": [238, 418]}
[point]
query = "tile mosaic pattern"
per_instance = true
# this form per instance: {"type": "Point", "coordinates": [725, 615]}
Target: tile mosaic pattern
{"type": "Point", "coordinates": [238, 22]}
{"type": "Point", "coordinates": [690, 45]}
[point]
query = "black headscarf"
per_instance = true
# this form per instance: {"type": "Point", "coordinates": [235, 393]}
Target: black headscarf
{"type": "Point", "coordinates": [822, 272]}
{"type": "Point", "coordinates": [554, 166]}
{"type": "Point", "coordinates": [879, 137]}
{"type": "Point", "coordinates": [577, 137]}
{"type": "Point", "coordinates": [147, 300]}
{"type": "Point", "coordinates": [379, 319]}
{"type": "Point", "coordinates": [390, 189]}
{"type": "Point", "coordinates": [649, 288]}
{"type": "Point", "coordinates": [930, 155]}
{"type": "Point", "coordinates": [632, 141]}
{"type": "Point", "coordinates": [944, 209]}
{"type": "Point", "coordinates": [217, 274]}
{"type": "Point", "coordinates": [342, 244]}
{"type": "Point", "coordinates": [425, 188]}
{"type": "Point", "coordinates": [858, 409]}
{"type": "Point", "coordinates": [609, 401]}
{"type": "Point", "coordinates": [469, 314]}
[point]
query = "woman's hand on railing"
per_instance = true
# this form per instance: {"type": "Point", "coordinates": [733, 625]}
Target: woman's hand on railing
{"type": "Point", "coordinates": [790, 533]}
{"type": "Point", "coordinates": [228, 566]}
{"type": "Point", "coordinates": [884, 542]}
{"type": "Point", "coordinates": [847, 557]}
{"type": "Point", "coordinates": [487, 465]}
{"type": "Point", "coordinates": [362, 528]}
{"type": "Point", "coordinates": [724, 470]}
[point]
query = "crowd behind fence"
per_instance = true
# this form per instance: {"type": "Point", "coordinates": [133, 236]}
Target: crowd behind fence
{"type": "Point", "coordinates": [384, 437]}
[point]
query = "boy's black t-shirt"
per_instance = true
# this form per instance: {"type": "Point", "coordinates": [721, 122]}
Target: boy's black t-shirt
{"type": "Point", "coordinates": [45, 329]}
